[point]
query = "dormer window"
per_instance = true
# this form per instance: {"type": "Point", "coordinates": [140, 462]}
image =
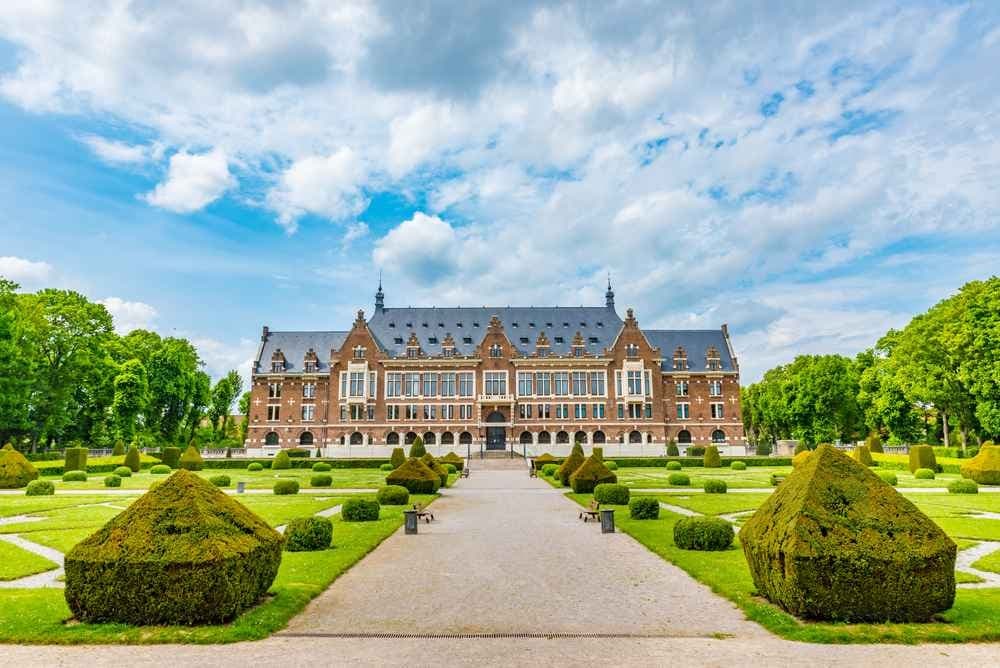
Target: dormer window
{"type": "Point", "coordinates": [359, 352]}
{"type": "Point", "coordinates": [277, 361]}
{"type": "Point", "coordinates": [412, 352]}
{"type": "Point", "coordinates": [577, 351]}
{"type": "Point", "coordinates": [448, 352]}
{"type": "Point", "coordinates": [310, 366]}
{"type": "Point", "coordinates": [680, 359]}
{"type": "Point", "coordinates": [277, 367]}
{"type": "Point", "coordinates": [560, 339]}
{"type": "Point", "coordinates": [433, 340]}
{"type": "Point", "coordinates": [496, 350]}
{"type": "Point", "coordinates": [631, 350]}
{"type": "Point", "coordinates": [712, 359]}
{"type": "Point", "coordinates": [467, 340]}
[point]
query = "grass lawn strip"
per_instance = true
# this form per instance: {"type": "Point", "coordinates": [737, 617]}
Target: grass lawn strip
{"type": "Point", "coordinates": [16, 562]}
{"type": "Point", "coordinates": [991, 562]}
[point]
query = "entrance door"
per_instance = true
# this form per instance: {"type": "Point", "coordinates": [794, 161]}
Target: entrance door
{"type": "Point", "coordinates": [496, 437]}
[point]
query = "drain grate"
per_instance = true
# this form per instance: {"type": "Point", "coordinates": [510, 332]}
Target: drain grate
{"type": "Point", "coordinates": [489, 636]}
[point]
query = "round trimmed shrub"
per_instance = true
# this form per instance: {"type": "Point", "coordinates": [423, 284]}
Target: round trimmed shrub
{"type": "Point", "coordinates": [123, 472]}
{"type": "Point", "coordinates": [15, 469]}
{"type": "Point", "coordinates": [323, 467]}
{"type": "Point", "coordinates": [75, 476]}
{"type": "Point", "coordinates": [644, 508]}
{"type": "Point", "coordinates": [386, 467]}
{"type": "Point", "coordinates": [283, 487]}
{"type": "Point", "coordinates": [738, 466]}
{"type": "Point", "coordinates": [281, 461]}
{"type": "Point", "coordinates": [713, 486]}
{"type": "Point", "coordinates": [672, 450]}
{"type": "Point", "coordinates": [360, 510]}
{"type": "Point", "coordinates": [703, 533]}
{"type": "Point", "coordinates": [963, 487]}
{"type": "Point", "coordinates": [321, 480]}
{"type": "Point", "coordinates": [133, 459]}
{"type": "Point", "coordinates": [450, 468]}
{"type": "Point", "coordinates": [923, 474]}
{"type": "Point", "coordinates": [393, 495]}
{"type": "Point", "coordinates": [255, 466]}
{"type": "Point", "coordinates": [889, 477]}
{"type": "Point", "coordinates": [113, 480]}
{"type": "Point", "coordinates": [220, 480]}
{"type": "Point", "coordinates": [674, 466]}
{"type": "Point", "coordinates": [549, 470]}
{"type": "Point", "coordinates": [612, 466]}
{"type": "Point", "coordinates": [613, 493]}
{"type": "Point", "coordinates": [159, 469]}
{"type": "Point", "coordinates": [40, 488]}
{"type": "Point", "coordinates": [678, 480]}
{"type": "Point", "coordinates": [415, 476]}
{"type": "Point", "coordinates": [308, 534]}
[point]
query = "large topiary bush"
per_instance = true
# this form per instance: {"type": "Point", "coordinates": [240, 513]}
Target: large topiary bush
{"type": "Point", "coordinates": [417, 448]}
{"type": "Point", "coordinates": [171, 456]}
{"type": "Point", "coordinates": [801, 458]}
{"type": "Point", "coordinates": [984, 468]}
{"type": "Point", "coordinates": [285, 487]}
{"type": "Point", "coordinates": [570, 465]}
{"type": "Point", "coordinates": [712, 459]}
{"type": "Point", "coordinates": [397, 458]}
{"type": "Point", "coordinates": [874, 443]}
{"type": "Point", "coordinates": [74, 476]}
{"type": "Point", "coordinates": [360, 510]}
{"type": "Point", "coordinates": [191, 460]}
{"type": "Point", "coordinates": [834, 542]}
{"type": "Point", "coordinates": [119, 449]}
{"type": "Point", "coordinates": [543, 460]}
{"type": "Point", "coordinates": [672, 450]}
{"type": "Point", "coordinates": [862, 456]}
{"type": "Point", "coordinates": [158, 469]}
{"type": "Point", "coordinates": [597, 452]}
{"type": "Point", "coordinates": [321, 467]}
{"type": "Point", "coordinates": [112, 480]}
{"type": "Point", "coordinates": [612, 493]}
{"type": "Point", "coordinates": [644, 508]}
{"type": "Point", "coordinates": [281, 461]}
{"type": "Point", "coordinates": [308, 534]}
{"type": "Point", "coordinates": [454, 460]}
{"type": "Point", "coordinates": [385, 467]}
{"type": "Point", "coordinates": [695, 451]}
{"type": "Point", "coordinates": [590, 474]}
{"type": "Point", "coordinates": [674, 466]}
{"type": "Point", "coordinates": [184, 553]}
{"type": "Point", "coordinates": [132, 458]}
{"type": "Point", "coordinates": [922, 457]}
{"type": "Point", "coordinates": [75, 459]}
{"type": "Point", "coordinates": [703, 533]}
{"type": "Point", "coordinates": [40, 488]}
{"type": "Point", "coordinates": [321, 480]}
{"type": "Point", "coordinates": [415, 476]}
{"type": "Point", "coordinates": [678, 480]}
{"type": "Point", "coordinates": [393, 495]}
{"type": "Point", "coordinates": [432, 463]}
{"type": "Point", "coordinates": [15, 469]}
{"type": "Point", "coordinates": [963, 487]}
{"type": "Point", "coordinates": [612, 466]}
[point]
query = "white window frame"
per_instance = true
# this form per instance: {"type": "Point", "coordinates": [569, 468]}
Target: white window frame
{"type": "Point", "coordinates": [308, 412]}
{"type": "Point", "coordinates": [683, 410]}
{"type": "Point", "coordinates": [494, 377]}
{"type": "Point", "coordinates": [717, 410]}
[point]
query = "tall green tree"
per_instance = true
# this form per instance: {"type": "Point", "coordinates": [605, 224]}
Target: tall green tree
{"type": "Point", "coordinates": [174, 385]}
{"type": "Point", "coordinates": [130, 399]}
{"type": "Point", "coordinates": [244, 407]}
{"type": "Point", "coordinates": [18, 357]}
{"type": "Point", "coordinates": [225, 392]}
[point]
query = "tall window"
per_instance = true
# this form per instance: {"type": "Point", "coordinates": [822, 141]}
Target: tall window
{"type": "Point", "coordinates": [465, 412]}
{"type": "Point", "coordinates": [715, 388]}
{"type": "Point", "coordinates": [394, 385]}
{"type": "Point", "coordinates": [357, 384]}
{"type": "Point", "coordinates": [274, 390]}
{"type": "Point", "coordinates": [648, 411]}
{"type": "Point", "coordinates": [447, 412]}
{"type": "Point", "coordinates": [308, 390]}
{"type": "Point", "coordinates": [562, 411]}
{"type": "Point", "coordinates": [496, 350]}
{"type": "Point", "coordinates": [597, 411]}
{"type": "Point", "coordinates": [523, 384]}
{"type": "Point", "coordinates": [392, 412]}
{"type": "Point", "coordinates": [496, 382]}
{"type": "Point", "coordinates": [635, 411]}
{"type": "Point", "coordinates": [357, 412]}
{"type": "Point", "coordinates": [447, 384]}
{"type": "Point", "coordinates": [681, 388]}
{"type": "Point", "coordinates": [524, 411]}
{"type": "Point", "coordinates": [648, 385]}
{"type": "Point", "coordinates": [716, 409]}
{"type": "Point", "coordinates": [372, 384]}
{"type": "Point", "coordinates": [430, 384]}
{"type": "Point", "coordinates": [597, 383]}
{"type": "Point", "coordinates": [683, 411]}
{"type": "Point", "coordinates": [579, 383]}
{"type": "Point", "coordinates": [308, 412]}
{"type": "Point", "coordinates": [465, 384]}
{"type": "Point", "coordinates": [543, 384]}
{"type": "Point", "coordinates": [411, 412]}
{"type": "Point", "coordinates": [359, 352]}
{"type": "Point", "coordinates": [635, 382]}
{"type": "Point", "coordinates": [562, 383]}
{"type": "Point", "coordinates": [273, 413]}
{"type": "Point", "coordinates": [580, 411]}
{"type": "Point", "coordinates": [430, 412]}
{"type": "Point", "coordinates": [448, 352]}
{"type": "Point", "coordinates": [411, 384]}
{"type": "Point", "coordinates": [544, 411]}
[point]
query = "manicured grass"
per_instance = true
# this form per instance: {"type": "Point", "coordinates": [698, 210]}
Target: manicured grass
{"type": "Point", "coordinates": [342, 478]}
{"type": "Point", "coordinates": [963, 578]}
{"type": "Point", "coordinates": [16, 562]}
{"type": "Point", "coordinates": [991, 562]}
{"type": "Point", "coordinates": [27, 505]}
{"type": "Point", "coordinates": [754, 477]}
{"type": "Point", "coordinates": [714, 504]}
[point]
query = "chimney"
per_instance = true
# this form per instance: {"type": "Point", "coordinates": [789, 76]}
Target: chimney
{"type": "Point", "coordinates": [725, 330]}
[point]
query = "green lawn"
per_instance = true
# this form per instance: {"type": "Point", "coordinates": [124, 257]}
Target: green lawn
{"type": "Point", "coordinates": [753, 477]}
{"type": "Point", "coordinates": [342, 479]}
{"type": "Point", "coordinates": [16, 562]}
{"type": "Point", "coordinates": [40, 615]}
{"type": "Point", "coordinates": [972, 618]}
{"type": "Point", "coordinates": [991, 562]}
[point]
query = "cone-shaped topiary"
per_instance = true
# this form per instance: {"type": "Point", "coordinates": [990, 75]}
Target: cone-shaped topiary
{"type": "Point", "coordinates": [191, 459]}
{"type": "Point", "coordinates": [417, 449]}
{"type": "Point", "coordinates": [984, 468]}
{"type": "Point", "coordinates": [672, 450]}
{"type": "Point", "coordinates": [835, 542]}
{"type": "Point", "coordinates": [75, 459]}
{"type": "Point", "coordinates": [281, 461]}
{"type": "Point", "coordinates": [922, 457]}
{"type": "Point", "coordinates": [597, 452]}
{"type": "Point", "coordinates": [712, 459]}
{"type": "Point", "coordinates": [801, 458]}
{"type": "Point", "coordinates": [590, 474]}
{"type": "Point", "coordinates": [433, 464]}
{"type": "Point", "coordinates": [398, 457]}
{"type": "Point", "coordinates": [170, 456]}
{"type": "Point", "coordinates": [119, 449]}
{"type": "Point", "coordinates": [415, 476]}
{"type": "Point", "coordinates": [874, 443]}
{"type": "Point", "coordinates": [184, 553]}
{"type": "Point", "coordinates": [132, 458]}
{"type": "Point", "coordinates": [454, 460]}
{"type": "Point", "coordinates": [570, 465]}
{"type": "Point", "coordinates": [15, 469]}
{"type": "Point", "coordinates": [863, 456]}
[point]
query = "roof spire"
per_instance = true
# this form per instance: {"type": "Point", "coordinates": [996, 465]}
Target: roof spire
{"type": "Point", "coordinates": [379, 296]}
{"type": "Point", "coordinates": [609, 296]}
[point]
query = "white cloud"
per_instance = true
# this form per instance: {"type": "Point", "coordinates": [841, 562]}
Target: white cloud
{"type": "Point", "coordinates": [424, 248]}
{"type": "Point", "coordinates": [27, 273]}
{"type": "Point", "coordinates": [122, 153]}
{"type": "Point", "coordinates": [326, 186]}
{"type": "Point", "coordinates": [129, 315]}
{"type": "Point", "coordinates": [194, 180]}
{"type": "Point", "coordinates": [221, 357]}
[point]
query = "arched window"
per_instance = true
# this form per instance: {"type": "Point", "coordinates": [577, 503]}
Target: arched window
{"type": "Point", "coordinates": [580, 437]}
{"type": "Point", "coordinates": [306, 438]}
{"type": "Point", "coordinates": [683, 436]}
{"type": "Point", "coordinates": [544, 438]}
{"type": "Point", "coordinates": [599, 437]}
{"type": "Point", "coordinates": [718, 436]}
{"type": "Point", "coordinates": [392, 438]}
{"type": "Point", "coordinates": [410, 437]}
{"type": "Point", "coordinates": [634, 437]}
{"type": "Point", "coordinates": [525, 437]}
{"type": "Point", "coordinates": [562, 437]}
{"type": "Point", "coordinates": [447, 438]}
{"type": "Point", "coordinates": [357, 438]}
{"type": "Point", "coordinates": [271, 438]}
{"type": "Point", "coordinates": [465, 438]}
{"type": "Point", "coordinates": [430, 438]}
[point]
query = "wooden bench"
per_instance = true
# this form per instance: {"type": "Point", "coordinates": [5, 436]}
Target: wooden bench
{"type": "Point", "coordinates": [465, 470]}
{"type": "Point", "coordinates": [423, 513]}
{"type": "Point", "coordinates": [592, 511]}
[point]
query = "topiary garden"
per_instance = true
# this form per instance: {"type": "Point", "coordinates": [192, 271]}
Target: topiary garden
{"type": "Point", "coordinates": [74, 476]}
{"type": "Point", "coordinates": [644, 508]}
{"type": "Point", "coordinates": [191, 460]}
{"type": "Point", "coordinates": [678, 480]}
{"type": "Point", "coordinates": [285, 487]}
{"type": "Point", "coordinates": [393, 495]}
{"type": "Point", "coordinates": [397, 458]}
{"type": "Point", "coordinates": [220, 480]}
{"type": "Point", "coordinates": [158, 469]}
{"type": "Point", "coordinates": [113, 480]}
{"type": "Point", "coordinates": [715, 486]}
{"type": "Point", "coordinates": [132, 458]}
{"type": "Point", "coordinates": [984, 468]}
{"type": "Point", "coordinates": [591, 473]}
{"type": "Point", "coordinates": [703, 533]}
{"type": "Point", "coordinates": [570, 464]}
{"type": "Point", "coordinates": [360, 510]}
{"type": "Point", "coordinates": [308, 534]}
{"type": "Point", "coordinates": [281, 461]}
{"type": "Point", "coordinates": [321, 480]}
{"type": "Point", "coordinates": [712, 459]}
{"type": "Point", "coordinates": [415, 476]}
{"type": "Point", "coordinates": [15, 469]}
{"type": "Point", "coordinates": [40, 488]}
{"type": "Point", "coordinates": [611, 493]}
{"type": "Point", "coordinates": [922, 457]}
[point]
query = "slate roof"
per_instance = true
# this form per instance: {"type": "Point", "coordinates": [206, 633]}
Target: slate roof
{"type": "Point", "coordinates": [295, 344]}
{"type": "Point", "coordinates": [695, 343]}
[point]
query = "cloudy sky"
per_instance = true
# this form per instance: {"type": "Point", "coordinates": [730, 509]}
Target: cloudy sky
{"type": "Point", "coordinates": [809, 176]}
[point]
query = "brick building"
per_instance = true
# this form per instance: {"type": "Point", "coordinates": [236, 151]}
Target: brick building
{"type": "Point", "coordinates": [494, 377]}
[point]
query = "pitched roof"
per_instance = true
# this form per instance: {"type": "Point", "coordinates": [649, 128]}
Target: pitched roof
{"type": "Point", "coordinates": [695, 343]}
{"type": "Point", "coordinates": [294, 346]}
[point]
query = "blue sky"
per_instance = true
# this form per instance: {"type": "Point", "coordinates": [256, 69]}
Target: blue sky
{"type": "Point", "coordinates": [810, 176]}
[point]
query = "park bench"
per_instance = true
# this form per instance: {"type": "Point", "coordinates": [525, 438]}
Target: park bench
{"type": "Point", "coordinates": [591, 512]}
{"type": "Point", "coordinates": [422, 512]}
{"type": "Point", "coordinates": [465, 470]}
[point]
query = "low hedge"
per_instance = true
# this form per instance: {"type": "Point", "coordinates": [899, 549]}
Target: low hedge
{"type": "Point", "coordinates": [738, 466]}
{"type": "Point", "coordinates": [113, 480]}
{"type": "Point", "coordinates": [393, 495]}
{"type": "Point", "coordinates": [283, 487]}
{"type": "Point", "coordinates": [323, 467]}
{"type": "Point", "coordinates": [220, 480]}
{"type": "Point", "coordinates": [678, 480]}
{"type": "Point", "coordinates": [688, 462]}
{"type": "Point", "coordinates": [244, 462]}
{"type": "Point", "coordinates": [255, 466]}
{"type": "Point", "coordinates": [74, 476]}
{"type": "Point", "coordinates": [674, 466]}
{"type": "Point", "coordinates": [612, 493]}
{"type": "Point", "coordinates": [159, 469]}
{"type": "Point", "coordinates": [360, 510]}
{"type": "Point", "coordinates": [308, 534]}
{"type": "Point", "coordinates": [321, 480]}
{"type": "Point", "coordinates": [703, 533]}
{"type": "Point", "coordinates": [695, 451]}
{"type": "Point", "coordinates": [123, 472]}
{"type": "Point", "coordinates": [713, 486]}
{"type": "Point", "coordinates": [40, 488]}
{"type": "Point", "coordinates": [889, 477]}
{"type": "Point", "coordinates": [963, 487]}
{"type": "Point", "coordinates": [644, 508]}
{"type": "Point", "coordinates": [297, 453]}
{"type": "Point", "coordinates": [923, 474]}
{"type": "Point", "coordinates": [612, 466]}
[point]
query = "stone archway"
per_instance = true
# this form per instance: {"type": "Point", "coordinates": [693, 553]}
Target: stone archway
{"type": "Point", "coordinates": [392, 438]}
{"type": "Point", "coordinates": [562, 437]}
{"type": "Point", "coordinates": [447, 438]}
{"type": "Point", "coordinates": [635, 436]}
{"type": "Point", "coordinates": [599, 437]}
{"type": "Point", "coordinates": [684, 437]}
{"type": "Point", "coordinates": [271, 438]}
{"type": "Point", "coordinates": [544, 438]}
{"type": "Point", "coordinates": [357, 438]}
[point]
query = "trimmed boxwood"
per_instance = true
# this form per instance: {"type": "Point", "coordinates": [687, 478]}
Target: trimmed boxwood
{"type": "Point", "coordinates": [171, 456]}
{"type": "Point", "coordinates": [40, 488]}
{"type": "Point", "coordinates": [393, 495]}
{"type": "Point", "coordinates": [984, 468]}
{"type": "Point", "coordinates": [159, 469]}
{"type": "Point", "coordinates": [678, 480]}
{"type": "Point", "coordinates": [450, 468]}
{"type": "Point", "coordinates": [75, 459]}
{"type": "Point", "coordinates": [286, 486]}
{"type": "Point", "coordinates": [112, 480]}
{"type": "Point", "coordinates": [255, 466]}
{"type": "Point", "coordinates": [191, 460]}
{"type": "Point", "coordinates": [888, 477]}
{"type": "Point", "coordinates": [612, 493]}
{"type": "Point", "coordinates": [220, 480]}
{"type": "Point", "coordinates": [415, 476]}
{"type": "Point", "coordinates": [281, 461]}
{"type": "Point", "coordinates": [674, 466]}
{"type": "Point", "coordinates": [308, 534]}
{"type": "Point", "coordinates": [571, 464]}
{"type": "Point", "coordinates": [433, 464]}
{"type": "Point", "coordinates": [123, 472]}
{"type": "Point", "coordinates": [74, 476]}
{"type": "Point", "coordinates": [132, 458]}
{"type": "Point", "coordinates": [863, 456]}
{"type": "Point", "coordinates": [454, 460]}
{"type": "Point", "coordinates": [963, 487]}
{"type": "Point", "coordinates": [703, 533]}
{"type": "Point", "coordinates": [549, 470]}
{"type": "Point", "coordinates": [801, 458]}
{"type": "Point", "coordinates": [874, 443]}
{"type": "Point", "coordinates": [118, 450]}
{"type": "Point", "coordinates": [321, 480]}
{"type": "Point", "coordinates": [591, 473]}
{"type": "Point", "coordinates": [738, 466]}
{"type": "Point", "coordinates": [384, 467]}
{"type": "Point", "coordinates": [15, 469]}
{"type": "Point", "coordinates": [695, 451]}
{"type": "Point", "coordinates": [597, 452]}
{"type": "Point", "coordinates": [644, 508]}
{"type": "Point", "coordinates": [397, 458]}
{"type": "Point", "coordinates": [922, 457]}
{"type": "Point", "coordinates": [297, 453]}
{"type": "Point", "coordinates": [612, 466]}
{"type": "Point", "coordinates": [184, 553]}
{"type": "Point", "coordinates": [417, 448]}
{"type": "Point", "coordinates": [360, 510]}
{"type": "Point", "coordinates": [672, 450]}
{"type": "Point", "coordinates": [712, 458]}
{"type": "Point", "coordinates": [923, 474]}
{"type": "Point", "coordinates": [323, 467]}
{"type": "Point", "coordinates": [713, 486]}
